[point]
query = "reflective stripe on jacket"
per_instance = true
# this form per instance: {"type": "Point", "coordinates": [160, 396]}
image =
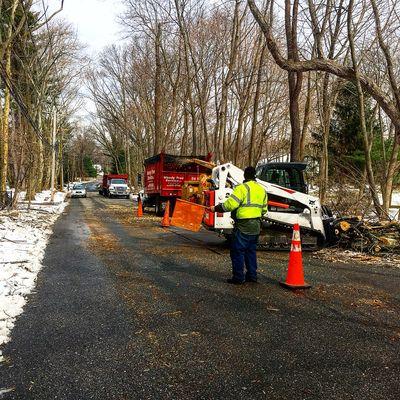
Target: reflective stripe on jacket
{"type": "Point", "coordinates": [250, 199]}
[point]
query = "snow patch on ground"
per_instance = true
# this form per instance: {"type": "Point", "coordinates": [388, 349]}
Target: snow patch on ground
{"type": "Point", "coordinates": [23, 237]}
{"type": "Point", "coordinates": [42, 198]}
{"type": "Point", "coordinates": [395, 212]}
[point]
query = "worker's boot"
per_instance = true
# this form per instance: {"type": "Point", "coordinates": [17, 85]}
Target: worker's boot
{"type": "Point", "coordinates": [234, 281]}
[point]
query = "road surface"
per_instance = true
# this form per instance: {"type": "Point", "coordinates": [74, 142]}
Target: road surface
{"type": "Point", "coordinates": [124, 309]}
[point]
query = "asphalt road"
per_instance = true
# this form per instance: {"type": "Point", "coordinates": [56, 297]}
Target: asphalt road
{"type": "Point", "coordinates": [124, 309]}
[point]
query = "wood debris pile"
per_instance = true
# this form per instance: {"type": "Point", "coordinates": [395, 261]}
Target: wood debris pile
{"type": "Point", "coordinates": [368, 237]}
{"type": "Point", "coordinates": [335, 255]}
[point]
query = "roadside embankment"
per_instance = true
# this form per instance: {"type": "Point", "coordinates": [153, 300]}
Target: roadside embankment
{"type": "Point", "coordinates": [23, 237]}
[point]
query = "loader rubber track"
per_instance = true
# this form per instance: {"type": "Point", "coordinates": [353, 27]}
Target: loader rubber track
{"type": "Point", "coordinates": [312, 240]}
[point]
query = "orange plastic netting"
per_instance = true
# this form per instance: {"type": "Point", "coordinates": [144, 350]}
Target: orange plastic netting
{"type": "Point", "coordinates": [187, 215]}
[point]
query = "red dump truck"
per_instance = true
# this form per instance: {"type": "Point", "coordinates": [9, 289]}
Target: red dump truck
{"type": "Point", "coordinates": [115, 185]}
{"type": "Point", "coordinates": [164, 175]}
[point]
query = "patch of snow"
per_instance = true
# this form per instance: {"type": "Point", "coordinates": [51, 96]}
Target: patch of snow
{"type": "Point", "coordinates": [396, 198]}
{"type": "Point", "coordinates": [44, 198]}
{"type": "Point", "coordinates": [23, 238]}
{"type": "Point", "coordinates": [395, 212]}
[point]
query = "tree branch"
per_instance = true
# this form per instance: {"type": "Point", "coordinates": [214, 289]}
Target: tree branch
{"type": "Point", "coordinates": [326, 65]}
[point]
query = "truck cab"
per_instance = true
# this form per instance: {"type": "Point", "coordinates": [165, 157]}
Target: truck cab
{"type": "Point", "coordinates": [115, 185]}
{"type": "Point", "coordinates": [289, 175]}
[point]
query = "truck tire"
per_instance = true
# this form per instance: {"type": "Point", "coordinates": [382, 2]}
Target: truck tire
{"type": "Point", "coordinates": [159, 208]}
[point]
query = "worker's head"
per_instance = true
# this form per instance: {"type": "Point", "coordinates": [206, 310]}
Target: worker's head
{"type": "Point", "coordinates": [249, 173]}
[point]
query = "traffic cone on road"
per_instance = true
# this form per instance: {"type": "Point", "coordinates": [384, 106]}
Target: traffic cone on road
{"type": "Point", "coordinates": [165, 221]}
{"type": "Point", "coordinates": [140, 208]}
{"type": "Point", "coordinates": [295, 275]}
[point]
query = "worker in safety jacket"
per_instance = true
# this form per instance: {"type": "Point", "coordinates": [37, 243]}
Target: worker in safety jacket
{"type": "Point", "coordinates": [248, 203]}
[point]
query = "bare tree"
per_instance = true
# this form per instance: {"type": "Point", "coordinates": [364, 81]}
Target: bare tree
{"type": "Point", "coordinates": [385, 94]}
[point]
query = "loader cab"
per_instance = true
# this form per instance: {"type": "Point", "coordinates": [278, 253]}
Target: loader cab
{"type": "Point", "coordinates": [288, 175]}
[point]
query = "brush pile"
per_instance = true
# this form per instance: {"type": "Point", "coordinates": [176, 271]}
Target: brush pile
{"type": "Point", "coordinates": [368, 237]}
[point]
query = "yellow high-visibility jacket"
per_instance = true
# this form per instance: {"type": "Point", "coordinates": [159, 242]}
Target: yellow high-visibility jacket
{"type": "Point", "coordinates": [249, 199]}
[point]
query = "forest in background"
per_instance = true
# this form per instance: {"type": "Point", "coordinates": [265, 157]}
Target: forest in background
{"type": "Point", "coordinates": [247, 81]}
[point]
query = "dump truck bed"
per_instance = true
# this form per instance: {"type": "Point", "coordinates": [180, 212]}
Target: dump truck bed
{"type": "Point", "coordinates": [165, 174]}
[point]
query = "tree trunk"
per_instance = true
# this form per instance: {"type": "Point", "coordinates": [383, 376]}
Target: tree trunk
{"type": "Point", "coordinates": [295, 82]}
{"type": "Point", "coordinates": [40, 164]}
{"type": "Point", "coordinates": [158, 94]}
{"type": "Point", "coordinates": [295, 79]}
{"type": "Point", "coordinates": [7, 99]}
{"type": "Point", "coordinates": [5, 127]}
{"type": "Point", "coordinates": [324, 165]}
{"type": "Point", "coordinates": [227, 81]}
{"type": "Point", "coordinates": [185, 130]}
{"type": "Point", "coordinates": [239, 133]}
{"type": "Point", "coordinates": [392, 169]}
{"type": "Point", "coordinates": [327, 101]}
{"type": "Point", "coordinates": [255, 108]}
{"type": "Point", "coordinates": [366, 142]}
{"type": "Point", "coordinates": [306, 119]}
{"type": "Point", "coordinates": [183, 31]}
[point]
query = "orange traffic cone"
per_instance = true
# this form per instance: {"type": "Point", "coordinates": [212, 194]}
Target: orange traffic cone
{"type": "Point", "coordinates": [140, 208]}
{"type": "Point", "coordinates": [165, 221]}
{"type": "Point", "coordinates": [295, 275]}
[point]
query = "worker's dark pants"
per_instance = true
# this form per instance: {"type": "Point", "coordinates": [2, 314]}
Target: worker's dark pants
{"type": "Point", "coordinates": [243, 253]}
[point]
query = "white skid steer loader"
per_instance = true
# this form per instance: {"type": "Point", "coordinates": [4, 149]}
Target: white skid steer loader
{"type": "Point", "coordinates": [286, 207]}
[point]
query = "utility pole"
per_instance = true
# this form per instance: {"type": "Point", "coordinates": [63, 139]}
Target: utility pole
{"type": "Point", "coordinates": [61, 160]}
{"type": "Point", "coordinates": [53, 154]}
